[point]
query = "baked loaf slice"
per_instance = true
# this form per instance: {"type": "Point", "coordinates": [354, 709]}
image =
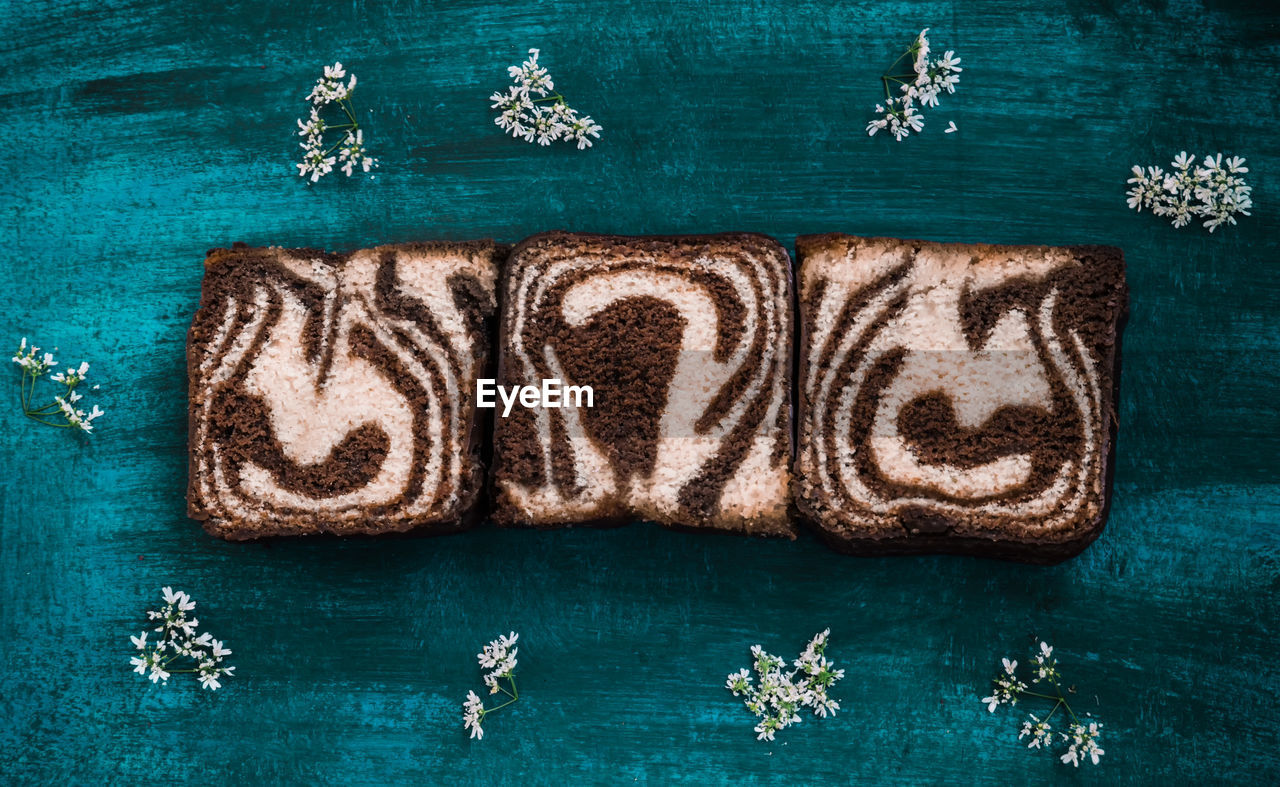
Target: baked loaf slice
{"type": "Point", "coordinates": [686, 345]}
{"type": "Point", "coordinates": [335, 393]}
{"type": "Point", "coordinates": [957, 398]}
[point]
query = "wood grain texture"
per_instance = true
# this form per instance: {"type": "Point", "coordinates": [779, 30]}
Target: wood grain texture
{"type": "Point", "coordinates": [139, 134]}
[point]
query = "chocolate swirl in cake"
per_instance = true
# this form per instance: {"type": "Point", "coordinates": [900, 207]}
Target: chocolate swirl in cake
{"type": "Point", "coordinates": [953, 395]}
{"type": "Point", "coordinates": [685, 342]}
{"type": "Point", "coordinates": [334, 393]}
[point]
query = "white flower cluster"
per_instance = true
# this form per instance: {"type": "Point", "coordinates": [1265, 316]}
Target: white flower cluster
{"type": "Point", "coordinates": [778, 697]}
{"type": "Point", "coordinates": [472, 714]}
{"type": "Point", "coordinates": [65, 405]}
{"type": "Point", "coordinates": [499, 658]}
{"type": "Point", "coordinates": [930, 78]}
{"type": "Point", "coordinates": [318, 158]}
{"type": "Point", "coordinates": [1040, 731]}
{"type": "Point", "coordinates": [1081, 737]}
{"type": "Point", "coordinates": [1215, 190]}
{"type": "Point", "coordinates": [1008, 687]}
{"type": "Point", "coordinates": [179, 639]}
{"type": "Point", "coordinates": [1084, 743]}
{"type": "Point", "coordinates": [1046, 665]}
{"type": "Point", "coordinates": [530, 111]}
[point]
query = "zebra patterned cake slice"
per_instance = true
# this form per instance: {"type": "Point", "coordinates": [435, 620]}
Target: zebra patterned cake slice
{"type": "Point", "coordinates": [335, 393]}
{"type": "Point", "coordinates": [957, 398]}
{"type": "Point", "coordinates": [685, 343]}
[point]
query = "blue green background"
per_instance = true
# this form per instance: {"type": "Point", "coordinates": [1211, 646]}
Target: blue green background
{"type": "Point", "coordinates": [136, 135]}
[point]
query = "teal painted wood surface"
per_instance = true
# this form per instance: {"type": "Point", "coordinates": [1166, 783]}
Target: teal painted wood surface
{"type": "Point", "coordinates": [139, 134]}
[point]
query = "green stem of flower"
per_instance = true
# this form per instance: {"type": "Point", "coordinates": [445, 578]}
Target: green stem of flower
{"type": "Point", "coordinates": [514, 694]}
{"type": "Point", "coordinates": [910, 52]}
{"type": "Point", "coordinates": [498, 707]}
{"type": "Point", "coordinates": [1058, 700]}
{"type": "Point", "coordinates": [337, 144]}
{"type": "Point", "coordinates": [47, 423]}
{"type": "Point", "coordinates": [350, 109]}
{"type": "Point", "coordinates": [27, 394]}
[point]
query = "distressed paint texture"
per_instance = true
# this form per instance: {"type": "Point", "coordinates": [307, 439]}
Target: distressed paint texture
{"type": "Point", "coordinates": [139, 134]}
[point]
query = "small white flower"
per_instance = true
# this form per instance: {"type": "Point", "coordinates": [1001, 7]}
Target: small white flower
{"type": "Point", "coordinates": [353, 155]}
{"type": "Point", "coordinates": [209, 680]}
{"type": "Point", "coordinates": [1046, 666]}
{"type": "Point", "coordinates": [314, 127]}
{"type": "Point", "coordinates": [472, 714]}
{"type": "Point", "coordinates": [532, 77]}
{"type": "Point", "coordinates": [1215, 191]}
{"type": "Point", "coordinates": [582, 128]}
{"type": "Point", "coordinates": [179, 639]}
{"type": "Point", "coordinates": [778, 697]}
{"type": "Point", "coordinates": [951, 127]}
{"type": "Point", "coordinates": [921, 50]}
{"type": "Point", "coordinates": [499, 658]}
{"type": "Point", "coordinates": [179, 599]}
{"type": "Point", "coordinates": [317, 159]}
{"type": "Point", "coordinates": [738, 682]}
{"type": "Point", "coordinates": [544, 120]}
{"type": "Point", "coordinates": [900, 115]}
{"type": "Point", "coordinates": [158, 673]}
{"type": "Point", "coordinates": [1081, 737]}
{"type": "Point", "coordinates": [1040, 731]}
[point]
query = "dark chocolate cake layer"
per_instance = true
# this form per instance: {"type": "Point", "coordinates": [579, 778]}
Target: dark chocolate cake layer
{"type": "Point", "coordinates": [335, 393]}
{"type": "Point", "coordinates": [685, 343]}
{"type": "Point", "coordinates": [957, 398]}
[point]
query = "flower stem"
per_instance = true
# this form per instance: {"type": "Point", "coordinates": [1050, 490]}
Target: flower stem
{"type": "Point", "coordinates": [46, 423]}
{"type": "Point", "coordinates": [1058, 699]}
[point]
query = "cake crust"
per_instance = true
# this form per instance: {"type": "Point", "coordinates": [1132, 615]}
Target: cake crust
{"type": "Point", "coordinates": [910, 476]}
{"type": "Point", "coordinates": [333, 393]}
{"type": "Point", "coordinates": [643, 336]}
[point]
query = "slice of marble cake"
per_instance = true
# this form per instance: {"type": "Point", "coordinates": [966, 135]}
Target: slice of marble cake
{"type": "Point", "coordinates": [335, 393]}
{"type": "Point", "coordinates": [957, 398]}
{"type": "Point", "coordinates": [686, 344]}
